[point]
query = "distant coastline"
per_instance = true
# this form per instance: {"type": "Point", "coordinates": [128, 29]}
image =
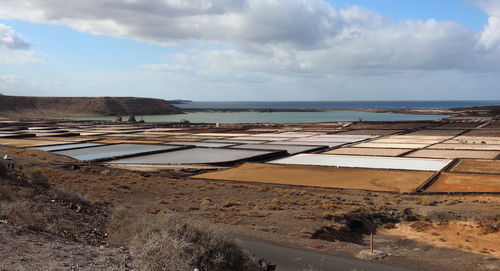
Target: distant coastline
{"type": "Point", "coordinates": [455, 108]}
{"type": "Point", "coordinates": [373, 110]}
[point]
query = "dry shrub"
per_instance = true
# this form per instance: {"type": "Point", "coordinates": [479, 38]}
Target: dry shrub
{"type": "Point", "coordinates": [166, 242]}
{"type": "Point", "coordinates": [36, 178]}
{"type": "Point", "coordinates": [5, 194]}
{"type": "Point", "coordinates": [490, 227]}
{"type": "Point", "coordinates": [22, 214]}
{"type": "Point", "coordinates": [3, 170]}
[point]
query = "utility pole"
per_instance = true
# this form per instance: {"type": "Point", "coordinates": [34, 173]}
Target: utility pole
{"type": "Point", "coordinates": [371, 243]}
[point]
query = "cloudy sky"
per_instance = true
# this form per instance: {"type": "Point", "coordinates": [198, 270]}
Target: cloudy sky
{"type": "Point", "coordinates": [252, 49]}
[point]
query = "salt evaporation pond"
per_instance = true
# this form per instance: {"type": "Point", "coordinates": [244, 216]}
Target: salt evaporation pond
{"type": "Point", "coordinates": [193, 156]}
{"type": "Point", "coordinates": [110, 151]}
{"type": "Point", "coordinates": [364, 162]}
{"type": "Point", "coordinates": [67, 146]}
{"type": "Point", "coordinates": [291, 149]}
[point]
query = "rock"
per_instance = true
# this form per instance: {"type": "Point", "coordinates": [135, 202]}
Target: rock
{"type": "Point", "coordinates": [372, 256]}
{"type": "Point", "coordinates": [316, 246]}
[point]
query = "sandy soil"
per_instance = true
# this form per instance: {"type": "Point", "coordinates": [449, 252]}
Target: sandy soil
{"type": "Point", "coordinates": [391, 145]}
{"type": "Point", "coordinates": [30, 143]}
{"type": "Point", "coordinates": [477, 166]}
{"type": "Point", "coordinates": [494, 124]}
{"type": "Point", "coordinates": [294, 216]}
{"type": "Point", "coordinates": [405, 141]}
{"type": "Point", "coordinates": [30, 251]}
{"type": "Point", "coordinates": [345, 178]}
{"type": "Point", "coordinates": [285, 215]}
{"type": "Point", "coordinates": [68, 138]}
{"type": "Point", "coordinates": [451, 154]}
{"type": "Point", "coordinates": [436, 132]}
{"type": "Point", "coordinates": [459, 182]}
{"type": "Point", "coordinates": [466, 147]}
{"type": "Point", "coordinates": [460, 125]}
{"type": "Point", "coordinates": [466, 235]}
{"type": "Point", "coordinates": [370, 132]}
{"type": "Point", "coordinates": [474, 140]}
{"type": "Point", "coordinates": [483, 132]}
{"type": "Point", "coordinates": [393, 126]}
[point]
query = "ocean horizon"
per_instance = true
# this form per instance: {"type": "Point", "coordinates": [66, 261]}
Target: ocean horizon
{"type": "Point", "coordinates": [333, 104]}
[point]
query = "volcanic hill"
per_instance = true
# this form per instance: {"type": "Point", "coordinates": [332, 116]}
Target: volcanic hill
{"type": "Point", "coordinates": [40, 107]}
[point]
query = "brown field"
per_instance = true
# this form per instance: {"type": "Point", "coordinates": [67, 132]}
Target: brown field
{"type": "Point", "coordinates": [478, 166]}
{"type": "Point", "coordinates": [460, 125]}
{"type": "Point", "coordinates": [25, 143]}
{"type": "Point", "coordinates": [494, 124]}
{"type": "Point", "coordinates": [452, 234]}
{"type": "Point", "coordinates": [474, 140]}
{"type": "Point", "coordinates": [288, 205]}
{"type": "Point", "coordinates": [393, 126]}
{"type": "Point", "coordinates": [344, 178]}
{"type": "Point", "coordinates": [483, 132]}
{"type": "Point", "coordinates": [466, 183]}
{"type": "Point", "coordinates": [422, 137]}
{"type": "Point", "coordinates": [452, 154]}
{"type": "Point", "coordinates": [390, 145]}
{"type": "Point", "coordinates": [92, 133]}
{"type": "Point", "coordinates": [436, 132]}
{"type": "Point", "coordinates": [466, 146]}
{"type": "Point", "coordinates": [405, 140]}
{"type": "Point", "coordinates": [370, 132]}
{"type": "Point", "coordinates": [69, 139]}
{"type": "Point", "coordinates": [368, 151]}
{"type": "Point", "coordinates": [409, 125]}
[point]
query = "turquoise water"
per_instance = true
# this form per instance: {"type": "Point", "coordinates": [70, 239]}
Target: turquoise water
{"type": "Point", "coordinates": [334, 104]}
{"type": "Point", "coordinates": [275, 117]}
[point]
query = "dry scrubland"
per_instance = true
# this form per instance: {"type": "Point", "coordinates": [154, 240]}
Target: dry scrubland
{"type": "Point", "coordinates": [45, 228]}
{"type": "Point", "coordinates": [66, 214]}
{"type": "Point", "coordinates": [446, 229]}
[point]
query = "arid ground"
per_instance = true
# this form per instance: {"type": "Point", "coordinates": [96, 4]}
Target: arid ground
{"type": "Point", "coordinates": [420, 231]}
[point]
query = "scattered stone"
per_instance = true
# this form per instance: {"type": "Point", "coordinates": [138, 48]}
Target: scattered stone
{"type": "Point", "coordinates": [315, 246]}
{"type": "Point", "coordinates": [372, 256]}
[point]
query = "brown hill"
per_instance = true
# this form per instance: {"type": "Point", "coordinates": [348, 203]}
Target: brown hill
{"type": "Point", "coordinates": [39, 107]}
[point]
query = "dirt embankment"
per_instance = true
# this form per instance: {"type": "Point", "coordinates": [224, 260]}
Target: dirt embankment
{"type": "Point", "coordinates": [36, 107]}
{"type": "Point", "coordinates": [491, 111]}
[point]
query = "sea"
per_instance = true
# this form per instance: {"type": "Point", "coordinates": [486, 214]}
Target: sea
{"type": "Point", "coordinates": [335, 104]}
{"type": "Point", "coordinates": [301, 117]}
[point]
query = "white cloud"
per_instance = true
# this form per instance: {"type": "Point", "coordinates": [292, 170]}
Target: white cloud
{"type": "Point", "coordinates": [14, 49]}
{"type": "Point", "coordinates": [9, 39]}
{"type": "Point", "coordinates": [10, 79]}
{"type": "Point", "coordinates": [283, 35]}
{"type": "Point", "coordinates": [281, 43]}
{"type": "Point", "coordinates": [18, 57]}
{"type": "Point", "coordinates": [490, 37]}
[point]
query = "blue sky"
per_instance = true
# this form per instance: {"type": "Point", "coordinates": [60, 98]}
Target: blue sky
{"type": "Point", "coordinates": [462, 11]}
{"type": "Point", "coordinates": [255, 50]}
